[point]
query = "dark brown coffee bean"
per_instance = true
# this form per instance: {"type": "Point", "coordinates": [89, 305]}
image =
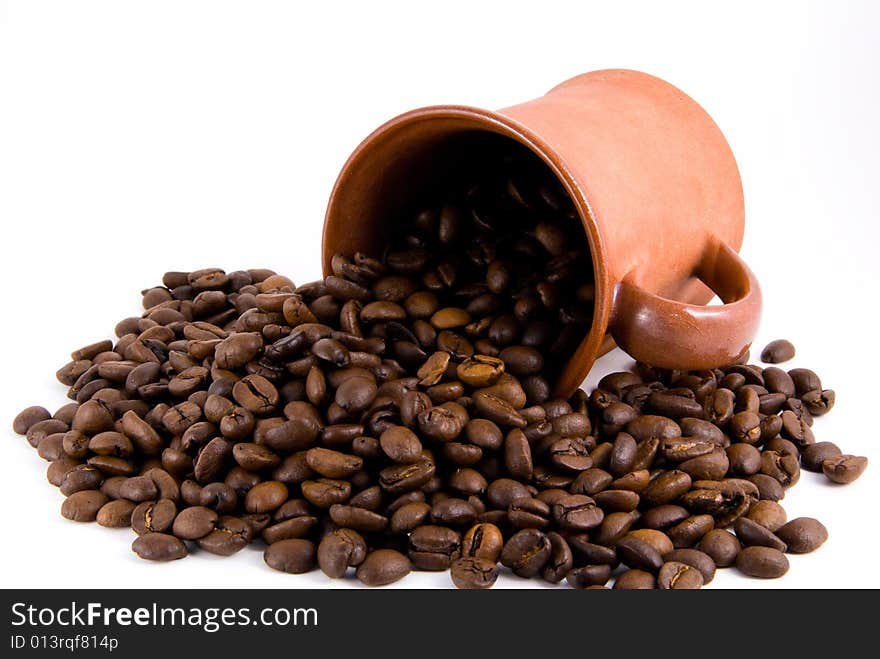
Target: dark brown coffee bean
{"type": "Point", "coordinates": [230, 535]}
{"type": "Point", "coordinates": [265, 497]}
{"type": "Point", "coordinates": [674, 575]}
{"type": "Point", "coordinates": [401, 445]}
{"type": "Point", "coordinates": [526, 552]}
{"type": "Point", "coordinates": [115, 514]}
{"type": "Point", "coordinates": [159, 547]}
{"type": "Point", "coordinates": [324, 492]}
{"type": "Point", "coordinates": [588, 575]}
{"type": "Point", "coordinates": [696, 559]}
{"type": "Point", "coordinates": [382, 567]}
{"type": "Point", "coordinates": [83, 505]}
{"type": "Point", "coordinates": [294, 556]}
{"type": "Point", "coordinates": [153, 516]}
{"type": "Point", "coordinates": [814, 455]}
{"type": "Point", "coordinates": [666, 487]}
{"type": "Point", "coordinates": [194, 523]}
{"type": "Point", "coordinates": [577, 512]}
{"type": "Point", "coordinates": [777, 351]}
{"type": "Point", "coordinates": [635, 580]}
{"type": "Point", "coordinates": [28, 417]}
{"type": "Point", "coordinates": [721, 545]}
{"type": "Point", "coordinates": [256, 394]}
{"type": "Point", "coordinates": [844, 469]}
{"type": "Point", "coordinates": [768, 514]}
{"type": "Point", "coordinates": [474, 573]}
{"type": "Point", "coordinates": [803, 535]}
{"type": "Point", "coordinates": [819, 402]}
{"type": "Point", "coordinates": [752, 534]}
{"type": "Point", "coordinates": [690, 531]}
{"type": "Point", "coordinates": [762, 562]}
{"type": "Point", "coordinates": [358, 519]}
{"type": "Point", "coordinates": [339, 550]}
{"type": "Point", "coordinates": [333, 464]}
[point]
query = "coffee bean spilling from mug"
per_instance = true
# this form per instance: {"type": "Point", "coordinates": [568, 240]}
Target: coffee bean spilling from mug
{"type": "Point", "coordinates": [398, 415]}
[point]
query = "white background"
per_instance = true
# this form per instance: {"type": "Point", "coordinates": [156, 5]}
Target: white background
{"type": "Point", "coordinates": [137, 138]}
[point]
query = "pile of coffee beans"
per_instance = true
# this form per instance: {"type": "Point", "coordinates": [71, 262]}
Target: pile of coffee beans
{"type": "Point", "coordinates": [398, 415]}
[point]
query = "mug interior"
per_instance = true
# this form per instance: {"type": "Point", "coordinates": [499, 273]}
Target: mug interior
{"type": "Point", "coordinates": [413, 158]}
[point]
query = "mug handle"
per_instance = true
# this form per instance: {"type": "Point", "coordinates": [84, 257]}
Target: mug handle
{"type": "Point", "coordinates": [671, 334]}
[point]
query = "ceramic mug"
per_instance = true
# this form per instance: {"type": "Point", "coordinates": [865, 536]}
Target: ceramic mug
{"type": "Point", "coordinates": [653, 180]}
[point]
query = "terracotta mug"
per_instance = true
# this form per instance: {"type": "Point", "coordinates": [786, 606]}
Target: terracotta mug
{"type": "Point", "coordinates": [653, 179]}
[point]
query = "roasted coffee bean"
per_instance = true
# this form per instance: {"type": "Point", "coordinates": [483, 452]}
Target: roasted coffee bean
{"type": "Point", "coordinates": [84, 505]}
{"type": "Point", "coordinates": [230, 535]}
{"type": "Point", "coordinates": [294, 556]}
{"type": "Point", "coordinates": [666, 487]}
{"type": "Point", "coordinates": [28, 417]}
{"type": "Point", "coordinates": [768, 514]}
{"type": "Point", "coordinates": [153, 517]}
{"type": "Point", "coordinates": [526, 552]}
{"type": "Point", "coordinates": [663, 516]}
{"type": "Point", "coordinates": [577, 512]}
{"type": "Point", "coordinates": [813, 455]}
{"type": "Point", "coordinates": [358, 519]}
{"type": "Point", "coordinates": [802, 535]}
{"type": "Point", "coordinates": [690, 531]}
{"type": "Point", "coordinates": [265, 497]}
{"type": "Point", "coordinates": [433, 547]}
{"type": "Point", "coordinates": [639, 554]}
{"type": "Point", "coordinates": [588, 576]}
{"type": "Point", "coordinates": [635, 580]}
{"type": "Point", "coordinates": [159, 547]}
{"type": "Point", "coordinates": [401, 445]}
{"type": "Point", "coordinates": [844, 469]}
{"type": "Point", "coordinates": [804, 380]}
{"type": "Point", "coordinates": [762, 562]}
{"type": "Point", "coordinates": [333, 464]}
{"type": "Point", "coordinates": [339, 550]}
{"type": "Point", "coordinates": [325, 492]}
{"type": "Point", "coordinates": [382, 567]}
{"type": "Point", "coordinates": [115, 514]}
{"type": "Point", "coordinates": [81, 477]}
{"type": "Point", "coordinates": [696, 559]}
{"type": "Point", "coordinates": [674, 575]}
{"type": "Point", "coordinates": [194, 523]}
{"type": "Point", "coordinates": [777, 351]}
{"type": "Point", "coordinates": [722, 546]}
{"type": "Point", "coordinates": [752, 534]}
{"type": "Point", "coordinates": [474, 573]}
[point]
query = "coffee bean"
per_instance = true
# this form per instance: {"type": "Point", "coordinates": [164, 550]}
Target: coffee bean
{"type": "Point", "coordinates": [814, 455]}
{"type": "Point", "coordinates": [844, 469]}
{"type": "Point", "coordinates": [802, 535]}
{"type": "Point", "coordinates": [777, 351]}
{"type": "Point", "coordinates": [474, 573]}
{"type": "Point", "coordinates": [635, 580]}
{"type": "Point", "coordinates": [722, 546]}
{"type": "Point", "coordinates": [333, 464]}
{"type": "Point", "coordinates": [589, 575]}
{"type": "Point", "coordinates": [159, 547]}
{"type": "Point", "coordinates": [230, 535]}
{"type": "Point", "coordinates": [762, 562]}
{"type": "Point", "coordinates": [674, 575]}
{"type": "Point", "coordinates": [294, 556]}
{"type": "Point", "coordinates": [28, 417]}
{"type": "Point", "coordinates": [526, 552]}
{"type": "Point", "coordinates": [83, 506]}
{"type": "Point", "coordinates": [339, 550]}
{"type": "Point", "coordinates": [768, 514]}
{"type": "Point", "coordinates": [695, 559]}
{"type": "Point", "coordinates": [382, 567]}
{"type": "Point", "coordinates": [401, 445]}
{"type": "Point", "coordinates": [153, 517]}
{"type": "Point", "coordinates": [194, 523]}
{"type": "Point", "coordinates": [752, 534]}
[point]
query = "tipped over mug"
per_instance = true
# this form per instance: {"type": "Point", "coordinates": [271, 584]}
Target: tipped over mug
{"type": "Point", "coordinates": [653, 180]}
